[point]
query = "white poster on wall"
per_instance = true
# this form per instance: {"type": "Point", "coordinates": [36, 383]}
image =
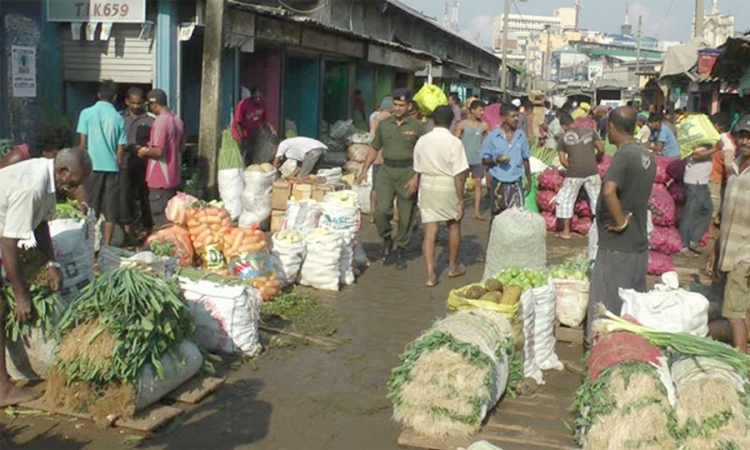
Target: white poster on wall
{"type": "Point", "coordinates": [23, 69]}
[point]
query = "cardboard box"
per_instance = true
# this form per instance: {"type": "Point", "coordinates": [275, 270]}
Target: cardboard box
{"type": "Point", "coordinates": [302, 191]}
{"type": "Point", "coordinates": [277, 220]}
{"type": "Point", "coordinates": [320, 191]}
{"type": "Point", "coordinates": [280, 194]}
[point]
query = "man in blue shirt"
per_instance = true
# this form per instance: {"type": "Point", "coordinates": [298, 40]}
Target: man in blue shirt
{"type": "Point", "coordinates": [506, 153]}
{"type": "Point", "coordinates": [102, 133]}
{"type": "Point", "coordinates": [662, 141]}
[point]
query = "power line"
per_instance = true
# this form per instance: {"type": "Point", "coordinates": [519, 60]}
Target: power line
{"type": "Point", "coordinates": [664, 19]}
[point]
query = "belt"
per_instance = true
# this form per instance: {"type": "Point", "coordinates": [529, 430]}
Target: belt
{"type": "Point", "coordinates": [402, 163]}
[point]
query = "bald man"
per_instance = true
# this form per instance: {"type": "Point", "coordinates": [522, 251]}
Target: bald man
{"type": "Point", "coordinates": [27, 201]}
{"type": "Point", "coordinates": [621, 218]}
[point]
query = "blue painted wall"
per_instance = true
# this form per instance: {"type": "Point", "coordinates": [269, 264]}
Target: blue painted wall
{"type": "Point", "coordinates": [302, 94]}
{"type": "Point", "coordinates": [166, 49]}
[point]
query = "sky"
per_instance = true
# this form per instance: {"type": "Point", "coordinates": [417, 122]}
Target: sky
{"type": "Point", "coordinates": [476, 16]}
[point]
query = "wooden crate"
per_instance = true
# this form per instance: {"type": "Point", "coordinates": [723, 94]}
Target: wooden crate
{"type": "Point", "coordinates": [570, 335]}
{"type": "Point", "coordinates": [277, 219]}
{"type": "Point", "coordinates": [280, 194]}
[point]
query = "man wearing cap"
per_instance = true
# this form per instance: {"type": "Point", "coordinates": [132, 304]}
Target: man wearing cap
{"type": "Point", "coordinates": [102, 133]}
{"type": "Point", "coordinates": [733, 246]}
{"type": "Point", "coordinates": [394, 140]}
{"type": "Point", "coordinates": [163, 156]}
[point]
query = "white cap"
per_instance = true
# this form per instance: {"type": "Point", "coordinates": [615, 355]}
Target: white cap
{"type": "Point", "coordinates": [516, 102]}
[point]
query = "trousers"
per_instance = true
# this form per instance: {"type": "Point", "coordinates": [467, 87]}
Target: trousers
{"type": "Point", "coordinates": [389, 186]}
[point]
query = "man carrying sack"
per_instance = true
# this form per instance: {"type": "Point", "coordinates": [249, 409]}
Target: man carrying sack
{"type": "Point", "coordinates": [395, 139]}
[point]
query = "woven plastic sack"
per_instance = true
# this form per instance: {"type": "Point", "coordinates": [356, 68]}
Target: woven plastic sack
{"type": "Point", "coordinates": [456, 302]}
{"type": "Point", "coordinates": [429, 98]}
{"type": "Point", "coordinates": [571, 301]}
{"type": "Point", "coordinates": [256, 197]}
{"type": "Point", "coordinates": [517, 239]}
{"type": "Point", "coordinates": [617, 348]}
{"type": "Point", "coordinates": [358, 152]}
{"type": "Point", "coordinates": [546, 200]}
{"type": "Point", "coordinates": [321, 268]}
{"type": "Point", "coordinates": [662, 206]}
{"type": "Point", "coordinates": [691, 370]}
{"type": "Point", "coordinates": [659, 264]}
{"type": "Point", "coordinates": [693, 131]}
{"type": "Point", "coordinates": [75, 254]}
{"type": "Point", "coordinates": [302, 216]}
{"type": "Point", "coordinates": [287, 258]}
{"type": "Point", "coordinates": [551, 180]}
{"type": "Point", "coordinates": [528, 314]}
{"type": "Point", "coordinates": [341, 213]}
{"type": "Point", "coordinates": [180, 239]}
{"type": "Point", "coordinates": [666, 240]}
{"type": "Point", "coordinates": [179, 364]}
{"type": "Point", "coordinates": [544, 328]}
{"type": "Point", "coordinates": [231, 186]}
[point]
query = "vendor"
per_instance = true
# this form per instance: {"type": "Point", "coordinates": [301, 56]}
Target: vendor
{"type": "Point", "coordinates": [304, 150]}
{"type": "Point", "coordinates": [27, 200]}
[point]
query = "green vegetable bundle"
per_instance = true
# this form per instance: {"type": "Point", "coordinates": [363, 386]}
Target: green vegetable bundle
{"type": "Point", "coordinates": [230, 156]}
{"type": "Point", "coordinates": [145, 316]}
{"type": "Point", "coordinates": [524, 278]}
{"type": "Point", "coordinates": [455, 373]}
{"type": "Point", "coordinates": [69, 210]}
{"type": "Point", "coordinates": [572, 270]}
{"type": "Point", "coordinates": [544, 154]}
{"type": "Point", "coordinates": [162, 248]}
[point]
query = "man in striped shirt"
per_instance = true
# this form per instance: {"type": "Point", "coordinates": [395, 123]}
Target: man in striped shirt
{"type": "Point", "coordinates": [164, 156]}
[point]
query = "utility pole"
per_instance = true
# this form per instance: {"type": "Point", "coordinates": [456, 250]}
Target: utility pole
{"type": "Point", "coordinates": [638, 50]}
{"type": "Point", "coordinates": [210, 123]}
{"type": "Point", "coordinates": [698, 19]}
{"type": "Point", "coordinates": [548, 62]}
{"type": "Point", "coordinates": [504, 81]}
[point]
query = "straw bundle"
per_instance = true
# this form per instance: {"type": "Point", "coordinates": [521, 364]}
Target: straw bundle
{"type": "Point", "coordinates": [454, 374]}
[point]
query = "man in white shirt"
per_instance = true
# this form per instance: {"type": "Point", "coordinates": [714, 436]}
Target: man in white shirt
{"type": "Point", "coordinates": [27, 201]}
{"type": "Point", "coordinates": [304, 150]}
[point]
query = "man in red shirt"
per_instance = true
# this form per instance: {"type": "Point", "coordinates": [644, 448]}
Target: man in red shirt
{"type": "Point", "coordinates": [163, 155]}
{"type": "Point", "coordinates": [249, 116]}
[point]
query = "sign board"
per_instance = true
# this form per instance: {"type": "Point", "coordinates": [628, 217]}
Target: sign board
{"type": "Point", "coordinates": [118, 11]}
{"type": "Point", "coordinates": [23, 71]}
{"type": "Point", "coordinates": [596, 70]}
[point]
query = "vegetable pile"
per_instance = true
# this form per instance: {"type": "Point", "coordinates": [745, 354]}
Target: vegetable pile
{"type": "Point", "coordinates": [524, 278]}
{"type": "Point", "coordinates": [123, 321]}
{"type": "Point", "coordinates": [572, 270]}
{"type": "Point", "coordinates": [69, 209]}
{"type": "Point", "coordinates": [454, 374]}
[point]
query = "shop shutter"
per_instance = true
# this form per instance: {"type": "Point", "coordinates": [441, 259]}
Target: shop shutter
{"type": "Point", "coordinates": [123, 58]}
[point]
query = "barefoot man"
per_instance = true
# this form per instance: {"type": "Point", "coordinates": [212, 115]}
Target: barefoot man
{"type": "Point", "coordinates": [472, 132]}
{"type": "Point", "coordinates": [579, 148]}
{"type": "Point", "coordinates": [440, 162]}
{"type": "Point", "coordinates": [27, 201]}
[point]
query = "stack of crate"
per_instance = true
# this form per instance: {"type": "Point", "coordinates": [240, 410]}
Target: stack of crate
{"type": "Point", "coordinates": [282, 191]}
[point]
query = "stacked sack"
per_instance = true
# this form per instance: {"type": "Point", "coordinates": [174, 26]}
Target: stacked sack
{"type": "Point", "coordinates": [359, 147]}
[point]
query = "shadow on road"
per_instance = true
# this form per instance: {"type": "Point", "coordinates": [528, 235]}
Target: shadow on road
{"type": "Point", "coordinates": [22, 437]}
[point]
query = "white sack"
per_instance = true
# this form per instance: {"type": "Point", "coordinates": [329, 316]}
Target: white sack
{"type": "Point", "coordinates": [231, 186]}
{"type": "Point", "coordinates": [256, 197]}
{"type": "Point", "coordinates": [528, 313]}
{"type": "Point", "coordinates": [544, 328]}
{"type": "Point", "coordinates": [343, 217]}
{"type": "Point", "coordinates": [572, 301]}
{"type": "Point", "coordinates": [518, 239]}
{"type": "Point", "coordinates": [302, 216]}
{"type": "Point", "coordinates": [321, 268]}
{"type": "Point", "coordinates": [180, 364]}
{"type": "Point", "coordinates": [287, 259]}
{"type": "Point", "coordinates": [74, 251]}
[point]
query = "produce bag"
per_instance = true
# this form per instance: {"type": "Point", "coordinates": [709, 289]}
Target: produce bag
{"type": "Point", "coordinates": [74, 253]}
{"type": "Point", "coordinates": [528, 312]}
{"type": "Point", "coordinates": [454, 374]}
{"type": "Point", "coordinates": [583, 208]}
{"type": "Point", "coordinates": [676, 169]}
{"type": "Point", "coordinates": [302, 216]}
{"type": "Point", "coordinates": [666, 240]}
{"type": "Point", "coordinates": [550, 221]}
{"type": "Point", "coordinates": [458, 300]}
{"type": "Point", "coordinates": [662, 169]}
{"type": "Point", "coordinates": [231, 184]}
{"type": "Point", "coordinates": [593, 240]}
{"type": "Point", "coordinates": [604, 164]}
{"type": "Point", "coordinates": [207, 225]}
{"type": "Point", "coordinates": [544, 328]}
{"type": "Point", "coordinates": [492, 116]}
{"type": "Point", "coordinates": [551, 180]}
{"type": "Point", "coordinates": [580, 225]}
{"type": "Point", "coordinates": [341, 214]}
{"type": "Point", "coordinates": [256, 198]}
{"type": "Point", "coordinates": [248, 258]}
{"type": "Point", "coordinates": [667, 307]}
{"type": "Point", "coordinates": [225, 314]}
{"type": "Point", "coordinates": [546, 201]}
{"type": "Point", "coordinates": [659, 264]}
{"type": "Point", "coordinates": [179, 238]}
{"type": "Point", "coordinates": [178, 207]}
{"type": "Point", "coordinates": [571, 301]}
{"type": "Point", "coordinates": [288, 253]}
{"type": "Point", "coordinates": [517, 239]}
{"type": "Point", "coordinates": [530, 202]}
{"type": "Point", "coordinates": [429, 98]}
{"type": "Point", "coordinates": [693, 131]}
{"type": "Point", "coordinates": [179, 364]}
{"type": "Point", "coordinates": [662, 206]}
{"type": "Point", "coordinates": [358, 152]}
{"type": "Point", "coordinates": [321, 268]}
{"type": "Point", "coordinates": [30, 358]}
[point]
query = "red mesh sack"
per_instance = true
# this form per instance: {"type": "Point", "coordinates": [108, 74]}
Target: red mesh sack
{"type": "Point", "coordinates": [666, 240]}
{"type": "Point", "coordinates": [551, 180]}
{"type": "Point", "coordinates": [662, 206]}
{"type": "Point", "coordinates": [678, 192]}
{"type": "Point", "coordinates": [580, 225]}
{"type": "Point", "coordinates": [604, 165]}
{"type": "Point", "coordinates": [662, 164]}
{"type": "Point", "coordinates": [550, 221]}
{"type": "Point", "coordinates": [618, 348]}
{"type": "Point", "coordinates": [545, 199]}
{"type": "Point", "coordinates": [676, 169]}
{"type": "Point", "coordinates": [583, 208]}
{"type": "Point", "coordinates": [180, 238]}
{"type": "Point", "coordinates": [659, 263]}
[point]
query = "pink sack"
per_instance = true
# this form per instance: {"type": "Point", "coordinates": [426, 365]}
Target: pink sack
{"type": "Point", "coordinates": [604, 165]}
{"type": "Point", "coordinates": [580, 225]}
{"type": "Point", "coordinates": [550, 221]}
{"type": "Point", "coordinates": [662, 206]}
{"type": "Point", "coordinates": [659, 264]}
{"type": "Point", "coordinates": [662, 163]}
{"type": "Point", "coordinates": [666, 240]}
{"type": "Point", "coordinates": [676, 170]}
{"type": "Point", "coordinates": [545, 199]}
{"type": "Point", "coordinates": [551, 180]}
{"type": "Point", "coordinates": [492, 116]}
{"type": "Point", "coordinates": [678, 192]}
{"type": "Point", "coordinates": [583, 208]}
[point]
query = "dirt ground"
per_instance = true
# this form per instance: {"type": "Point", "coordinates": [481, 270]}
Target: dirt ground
{"type": "Point", "coordinates": [300, 396]}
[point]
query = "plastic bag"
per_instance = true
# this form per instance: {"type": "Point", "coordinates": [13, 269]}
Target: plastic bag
{"type": "Point", "coordinates": [429, 98]}
{"type": "Point", "coordinates": [179, 364]}
{"type": "Point", "coordinates": [544, 328]}
{"type": "Point", "coordinates": [693, 131]}
{"type": "Point", "coordinates": [546, 200]}
{"type": "Point", "coordinates": [666, 240]}
{"type": "Point", "coordinates": [342, 130]}
{"type": "Point", "coordinates": [178, 206]}
{"type": "Point", "coordinates": [662, 206]}
{"type": "Point", "coordinates": [231, 186]}
{"type": "Point", "coordinates": [571, 301]}
{"type": "Point", "coordinates": [302, 216]}
{"type": "Point", "coordinates": [256, 265]}
{"type": "Point", "coordinates": [74, 253]}
{"type": "Point", "coordinates": [225, 316]}
{"type": "Point", "coordinates": [659, 263]}
{"type": "Point", "coordinates": [180, 239]}
{"type": "Point", "coordinates": [668, 308]}
{"type": "Point", "coordinates": [528, 313]}
{"type": "Point", "coordinates": [530, 202]}
{"type": "Point", "coordinates": [551, 180]}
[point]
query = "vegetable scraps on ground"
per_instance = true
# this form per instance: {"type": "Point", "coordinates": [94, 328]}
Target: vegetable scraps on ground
{"type": "Point", "coordinates": [122, 321]}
